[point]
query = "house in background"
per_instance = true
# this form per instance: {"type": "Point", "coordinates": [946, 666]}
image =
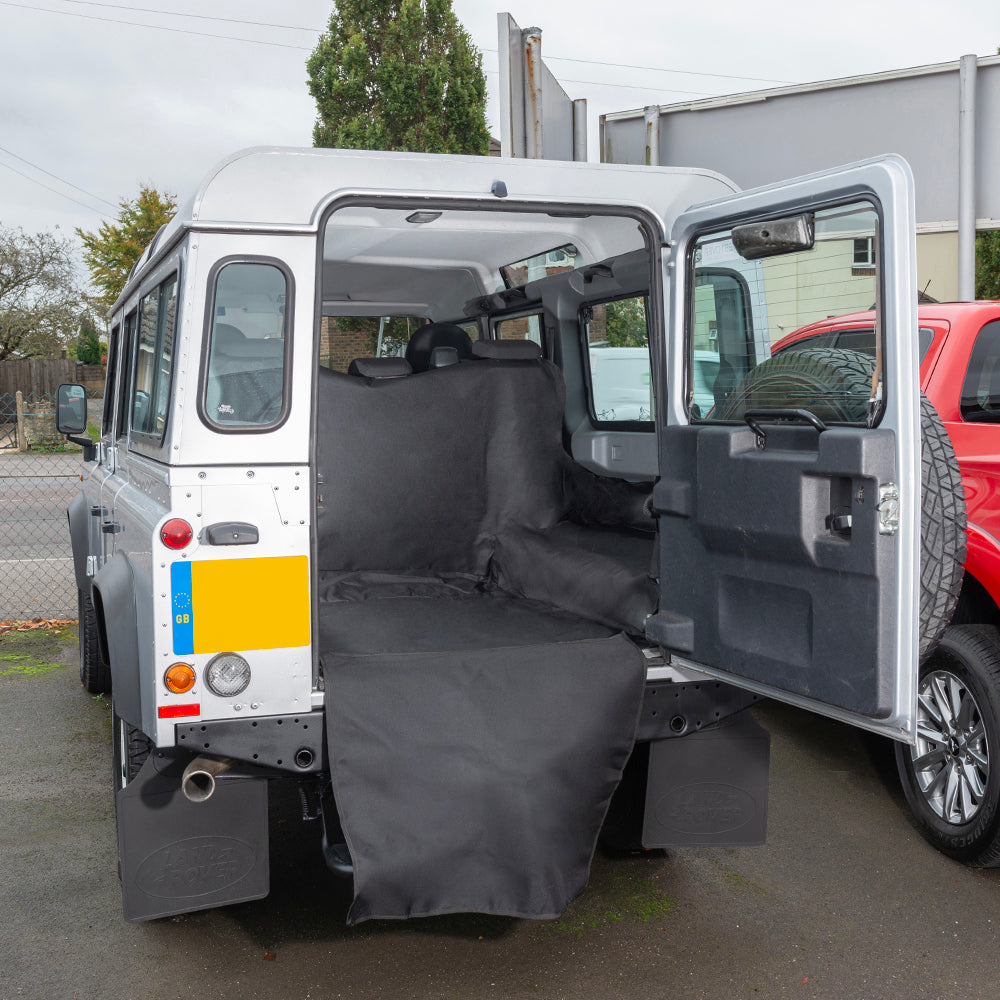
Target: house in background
{"type": "Point", "coordinates": [763, 136]}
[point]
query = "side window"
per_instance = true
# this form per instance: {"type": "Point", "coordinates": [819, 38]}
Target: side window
{"type": "Point", "coordinates": [617, 342]}
{"type": "Point", "coordinates": [743, 306]}
{"type": "Point", "coordinates": [154, 359]}
{"type": "Point", "coordinates": [146, 363]}
{"type": "Point", "coordinates": [520, 328]}
{"type": "Point", "coordinates": [245, 384]}
{"type": "Point", "coordinates": [344, 338]}
{"type": "Point", "coordinates": [111, 381]}
{"type": "Point", "coordinates": [858, 340]}
{"type": "Point", "coordinates": [981, 388]}
{"type": "Point", "coordinates": [125, 372]}
{"type": "Point", "coordinates": [926, 339]}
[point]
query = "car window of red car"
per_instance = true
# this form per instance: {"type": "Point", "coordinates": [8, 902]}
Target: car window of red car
{"type": "Point", "coordinates": [981, 389]}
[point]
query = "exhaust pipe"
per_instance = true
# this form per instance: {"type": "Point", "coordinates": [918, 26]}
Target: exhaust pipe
{"type": "Point", "coordinates": [198, 779]}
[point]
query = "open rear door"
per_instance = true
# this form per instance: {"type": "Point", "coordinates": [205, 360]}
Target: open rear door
{"type": "Point", "coordinates": [789, 511]}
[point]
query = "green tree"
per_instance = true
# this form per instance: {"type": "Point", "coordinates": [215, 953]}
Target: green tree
{"type": "Point", "coordinates": [398, 74]}
{"type": "Point", "coordinates": [39, 298]}
{"type": "Point", "coordinates": [89, 346]}
{"type": "Point", "coordinates": [988, 264]}
{"type": "Point", "coordinates": [111, 252]}
{"type": "Point", "coordinates": [626, 323]}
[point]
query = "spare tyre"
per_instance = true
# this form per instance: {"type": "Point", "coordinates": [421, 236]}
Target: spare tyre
{"type": "Point", "coordinates": [835, 385]}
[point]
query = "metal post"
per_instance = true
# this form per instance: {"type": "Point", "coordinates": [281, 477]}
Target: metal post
{"type": "Point", "coordinates": [652, 117]}
{"type": "Point", "coordinates": [580, 129]}
{"type": "Point", "coordinates": [533, 93]}
{"type": "Point", "coordinates": [967, 178]}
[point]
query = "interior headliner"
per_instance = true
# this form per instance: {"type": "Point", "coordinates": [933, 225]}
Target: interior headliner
{"type": "Point", "coordinates": [436, 267]}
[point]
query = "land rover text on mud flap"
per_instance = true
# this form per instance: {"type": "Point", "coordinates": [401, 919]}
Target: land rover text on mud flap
{"type": "Point", "coordinates": [364, 515]}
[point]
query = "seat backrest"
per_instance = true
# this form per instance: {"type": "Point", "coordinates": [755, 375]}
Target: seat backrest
{"type": "Point", "coordinates": [421, 474]}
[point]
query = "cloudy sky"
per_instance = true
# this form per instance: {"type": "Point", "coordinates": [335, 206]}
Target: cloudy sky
{"type": "Point", "coordinates": [92, 107]}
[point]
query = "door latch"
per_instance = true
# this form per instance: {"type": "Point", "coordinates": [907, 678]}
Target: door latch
{"type": "Point", "coordinates": [888, 509]}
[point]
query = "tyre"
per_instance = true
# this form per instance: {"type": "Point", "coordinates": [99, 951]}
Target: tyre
{"type": "Point", "coordinates": [835, 384]}
{"type": "Point", "coordinates": [951, 778]}
{"type": "Point", "coordinates": [129, 749]}
{"type": "Point", "coordinates": [95, 674]}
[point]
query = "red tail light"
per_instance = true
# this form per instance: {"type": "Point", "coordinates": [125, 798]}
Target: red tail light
{"type": "Point", "coordinates": [176, 533]}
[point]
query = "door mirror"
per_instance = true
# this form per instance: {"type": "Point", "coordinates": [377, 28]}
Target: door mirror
{"type": "Point", "coordinates": [71, 409]}
{"type": "Point", "coordinates": [775, 236]}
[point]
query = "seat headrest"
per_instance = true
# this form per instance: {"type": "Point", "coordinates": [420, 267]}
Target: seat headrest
{"type": "Point", "coordinates": [379, 367]}
{"type": "Point", "coordinates": [443, 357]}
{"type": "Point", "coordinates": [231, 342]}
{"type": "Point", "coordinates": [423, 342]}
{"type": "Point", "coordinates": [507, 350]}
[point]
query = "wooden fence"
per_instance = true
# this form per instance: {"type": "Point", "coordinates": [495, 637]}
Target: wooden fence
{"type": "Point", "coordinates": [42, 376]}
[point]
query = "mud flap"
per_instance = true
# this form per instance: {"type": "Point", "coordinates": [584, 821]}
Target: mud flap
{"type": "Point", "coordinates": [709, 787]}
{"type": "Point", "coordinates": [177, 856]}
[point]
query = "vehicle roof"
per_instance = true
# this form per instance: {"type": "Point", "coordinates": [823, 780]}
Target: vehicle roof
{"type": "Point", "coordinates": [926, 312]}
{"type": "Point", "coordinates": [287, 189]}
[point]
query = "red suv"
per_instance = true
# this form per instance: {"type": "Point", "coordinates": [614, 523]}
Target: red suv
{"type": "Point", "coordinates": [951, 778]}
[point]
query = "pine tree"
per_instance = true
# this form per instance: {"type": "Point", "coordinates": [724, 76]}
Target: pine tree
{"type": "Point", "coordinates": [398, 74]}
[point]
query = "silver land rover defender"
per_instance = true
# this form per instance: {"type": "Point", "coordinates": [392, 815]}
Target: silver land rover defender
{"type": "Point", "coordinates": [372, 512]}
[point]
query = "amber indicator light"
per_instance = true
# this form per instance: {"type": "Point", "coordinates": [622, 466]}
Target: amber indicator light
{"type": "Point", "coordinates": [179, 678]}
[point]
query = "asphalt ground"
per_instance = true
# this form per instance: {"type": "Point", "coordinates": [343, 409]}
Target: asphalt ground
{"type": "Point", "coordinates": [844, 901]}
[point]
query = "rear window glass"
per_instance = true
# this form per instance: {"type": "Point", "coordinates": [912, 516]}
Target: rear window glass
{"type": "Point", "coordinates": [981, 389]}
{"type": "Point", "coordinates": [519, 272]}
{"type": "Point", "coordinates": [521, 328]}
{"type": "Point", "coordinates": [617, 341]}
{"type": "Point", "coordinates": [743, 306]}
{"type": "Point", "coordinates": [344, 339]}
{"type": "Point", "coordinates": [245, 381]}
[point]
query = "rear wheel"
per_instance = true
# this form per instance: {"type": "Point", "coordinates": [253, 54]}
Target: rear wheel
{"type": "Point", "coordinates": [129, 750]}
{"type": "Point", "coordinates": [95, 674]}
{"type": "Point", "coordinates": [951, 778]}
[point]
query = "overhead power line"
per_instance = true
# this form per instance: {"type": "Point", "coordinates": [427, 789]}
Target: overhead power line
{"type": "Point", "coordinates": [200, 17]}
{"type": "Point", "coordinates": [655, 69]}
{"type": "Point", "coordinates": [157, 27]}
{"type": "Point", "coordinates": [61, 180]}
{"type": "Point", "coordinates": [62, 194]}
{"type": "Point", "coordinates": [307, 48]}
{"type": "Point", "coordinates": [628, 86]}
{"type": "Point", "coordinates": [300, 27]}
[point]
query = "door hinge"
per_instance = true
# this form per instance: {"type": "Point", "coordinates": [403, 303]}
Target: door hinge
{"type": "Point", "coordinates": [91, 565]}
{"type": "Point", "coordinates": [888, 509]}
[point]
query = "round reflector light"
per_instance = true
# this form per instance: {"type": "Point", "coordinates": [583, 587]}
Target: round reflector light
{"type": "Point", "coordinates": [227, 675]}
{"type": "Point", "coordinates": [176, 533]}
{"type": "Point", "coordinates": [179, 678]}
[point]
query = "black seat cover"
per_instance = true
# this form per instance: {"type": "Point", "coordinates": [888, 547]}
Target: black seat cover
{"type": "Point", "coordinates": [423, 342]}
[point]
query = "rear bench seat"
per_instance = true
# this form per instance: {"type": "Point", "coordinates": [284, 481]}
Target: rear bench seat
{"type": "Point", "coordinates": [452, 485]}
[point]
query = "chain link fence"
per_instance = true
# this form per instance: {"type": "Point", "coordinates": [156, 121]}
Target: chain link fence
{"type": "Point", "coordinates": [36, 487]}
